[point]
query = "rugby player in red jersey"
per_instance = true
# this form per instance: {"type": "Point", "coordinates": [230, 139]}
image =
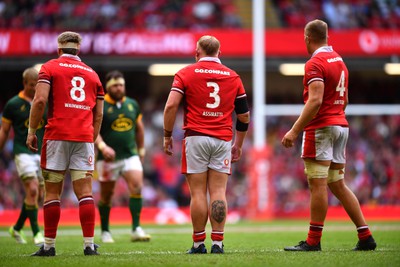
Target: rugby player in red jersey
{"type": "Point", "coordinates": [211, 93]}
{"type": "Point", "coordinates": [325, 135]}
{"type": "Point", "coordinates": [75, 97]}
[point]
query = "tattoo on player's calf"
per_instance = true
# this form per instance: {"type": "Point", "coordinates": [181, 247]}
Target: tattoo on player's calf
{"type": "Point", "coordinates": [218, 210]}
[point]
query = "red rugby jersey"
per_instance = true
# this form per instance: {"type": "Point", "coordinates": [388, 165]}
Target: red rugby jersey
{"type": "Point", "coordinates": [74, 88]}
{"type": "Point", "coordinates": [210, 90]}
{"type": "Point", "coordinates": [327, 66]}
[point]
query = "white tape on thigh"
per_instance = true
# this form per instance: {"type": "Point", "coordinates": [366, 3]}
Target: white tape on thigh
{"type": "Point", "coordinates": [314, 170]}
{"type": "Point", "coordinates": [335, 175]}
{"type": "Point", "coordinates": [53, 177]}
{"type": "Point", "coordinates": [28, 175]}
{"type": "Point", "coordinates": [76, 175]}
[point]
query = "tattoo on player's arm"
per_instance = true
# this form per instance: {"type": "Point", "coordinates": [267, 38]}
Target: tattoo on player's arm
{"type": "Point", "coordinates": [218, 210]}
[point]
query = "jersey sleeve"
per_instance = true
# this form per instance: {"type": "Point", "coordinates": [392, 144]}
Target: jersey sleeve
{"type": "Point", "coordinates": [137, 108]}
{"type": "Point", "coordinates": [100, 92]}
{"type": "Point", "coordinates": [100, 89]}
{"type": "Point", "coordinates": [178, 84]}
{"type": "Point", "coordinates": [241, 91]}
{"type": "Point", "coordinates": [44, 74]}
{"type": "Point", "coordinates": [8, 113]}
{"type": "Point", "coordinates": [313, 72]}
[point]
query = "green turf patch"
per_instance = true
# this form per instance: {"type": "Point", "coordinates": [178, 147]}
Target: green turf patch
{"type": "Point", "coordinates": [246, 244]}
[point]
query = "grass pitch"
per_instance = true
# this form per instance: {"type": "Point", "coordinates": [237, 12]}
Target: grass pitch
{"type": "Point", "coordinates": [246, 244]}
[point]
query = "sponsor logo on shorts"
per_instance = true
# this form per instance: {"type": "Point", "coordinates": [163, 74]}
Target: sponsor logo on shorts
{"type": "Point", "coordinates": [90, 160]}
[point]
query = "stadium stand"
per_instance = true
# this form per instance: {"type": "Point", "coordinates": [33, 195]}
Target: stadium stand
{"type": "Point", "coordinates": [158, 15]}
{"type": "Point", "coordinates": [100, 15]}
{"type": "Point", "coordinates": [349, 14]}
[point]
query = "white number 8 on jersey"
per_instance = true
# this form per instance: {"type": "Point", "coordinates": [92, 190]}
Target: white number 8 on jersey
{"type": "Point", "coordinates": [79, 88]}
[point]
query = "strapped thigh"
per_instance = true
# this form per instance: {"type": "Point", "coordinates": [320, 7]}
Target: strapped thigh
{"type": "Point", "coordinates": [78, 174]}
{"type": "Point", "coordinates": [52, 177]}
{"type": "Point", "coordinates": [335, 175]}
{"type": "Point", "coordinates": [315, 171]}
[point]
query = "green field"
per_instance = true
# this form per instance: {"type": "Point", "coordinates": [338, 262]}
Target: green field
{"type": "Point", "coordinates": [246, 244]}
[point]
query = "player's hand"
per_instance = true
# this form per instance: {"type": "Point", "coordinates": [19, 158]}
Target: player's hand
{"type": "Point", "coordinates": [168, 145]}
{"type": "Point", "coordinates": [31, 142]}
{"type": "Point", "coordinates": [289, 139]}
{"type": "Point", "coordinates": [236, 153]}
{"type": "Point", "coordinates": [108, 153]}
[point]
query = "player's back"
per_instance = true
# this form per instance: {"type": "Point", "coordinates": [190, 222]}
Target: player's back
{"type": "Point", "coordinates": [329, 66]}
{"type": "Point", "coordinates": [210, 90]}
{"type": "Point", "coordinates": [74, 89]}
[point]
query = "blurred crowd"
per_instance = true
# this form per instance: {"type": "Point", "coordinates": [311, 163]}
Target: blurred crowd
{"type": "Point", "coordinates": [341, 14]}
{"type": "Point", "coordinates": [159, 15]}
{"type": "Point", "coordinates": [372, 168]}
{"type": "Point", "coordinates": [116, 15]}
{"type": "Point", "coordinates": [372, 172]}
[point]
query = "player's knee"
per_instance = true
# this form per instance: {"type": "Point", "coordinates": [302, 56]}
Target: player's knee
{"type": "Point", "coordinates": [33, 191]}
{"type": "Point", "coordinates": [135, 189]}
{"type": "Point", "coordinates": [52, 177]}
{"type": "Point", "coordinates": [335, 175]}
{"type": "Point", "coordinates": [76, 175]}
{"type": "Point", "coordinates": [315, 171]}
{"type": "Point", "coordinates": [32, 196]}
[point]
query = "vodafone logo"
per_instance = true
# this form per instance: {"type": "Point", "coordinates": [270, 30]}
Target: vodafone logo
{"type": "Point", "coordinates": [369, 41]}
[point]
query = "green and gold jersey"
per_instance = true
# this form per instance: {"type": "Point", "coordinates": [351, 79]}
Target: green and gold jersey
{"type": "Point", "coordinates": [118, 128]}
{"type": "Point", "coordinates": [16, 112]}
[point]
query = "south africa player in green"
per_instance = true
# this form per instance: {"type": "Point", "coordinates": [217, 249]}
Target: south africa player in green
{"type": "Point", "coordinates": [121, 147]}
{"type": "Point", "coordinates": [16, 116]}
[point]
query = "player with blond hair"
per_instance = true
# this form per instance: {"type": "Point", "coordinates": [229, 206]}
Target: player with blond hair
{"type": "Point", "coordinates": [211, 93]}
{"type": "Point", "coordinates": [75, 97]}
{"type": "Point", "coordinates": [16, 116]}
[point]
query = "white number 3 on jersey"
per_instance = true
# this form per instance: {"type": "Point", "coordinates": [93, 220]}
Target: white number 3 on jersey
{"type": "Point", "coordinates": [214, 95]}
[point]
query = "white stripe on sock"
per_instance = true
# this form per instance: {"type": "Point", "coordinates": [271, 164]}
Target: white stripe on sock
{"type": "Point", "coordinates": [51, 201]}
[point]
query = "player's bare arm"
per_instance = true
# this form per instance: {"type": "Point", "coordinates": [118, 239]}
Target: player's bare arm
{"type": "Point", "coordinates": [170, 110]}
{"type": "Point", "coordinates": [37, 110]}
{"type": "Point", "coordinates": [107, 151]}
{"type": "Point", "coordinates": [239, 137]}
{"type": "Point", "coordinates": [97, 117]}
{"type": "Point", "coordinates": [4, 132]}
{"type": "Point", "coordinates": [140, 137]}
{"type": "Point", "coordinates": [311, 108]}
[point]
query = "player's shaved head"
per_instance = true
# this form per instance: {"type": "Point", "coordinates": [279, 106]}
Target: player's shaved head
{"type": "Point", "coordinates": [317, 31]}
{"type": "Point", "coordinates": [30, 74]}
{"type": "Point", "coordinates": [209, 44]}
